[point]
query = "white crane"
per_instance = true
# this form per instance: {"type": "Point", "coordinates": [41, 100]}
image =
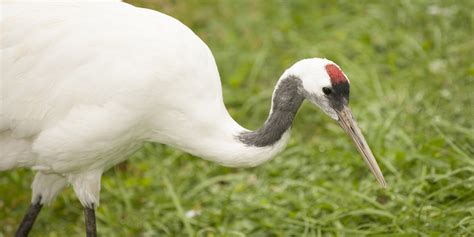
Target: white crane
{"type": "Point", "coordinates": [85, 84]}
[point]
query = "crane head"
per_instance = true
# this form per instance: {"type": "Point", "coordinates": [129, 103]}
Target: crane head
{"type": "Point", "coordinates": [326, 86]}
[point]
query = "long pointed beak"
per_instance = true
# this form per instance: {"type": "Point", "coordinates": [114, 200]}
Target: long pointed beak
{"type": "Point", "coordinates": [349, 125]}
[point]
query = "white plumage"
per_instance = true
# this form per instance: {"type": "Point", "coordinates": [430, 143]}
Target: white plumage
{"type": "Point", "coordinates": [85, 84]}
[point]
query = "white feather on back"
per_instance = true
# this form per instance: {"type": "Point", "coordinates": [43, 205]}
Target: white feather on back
{"type": "Point", "coordinates": [76, 73]}
{"type": "Point", "coordinates": [62, 58]}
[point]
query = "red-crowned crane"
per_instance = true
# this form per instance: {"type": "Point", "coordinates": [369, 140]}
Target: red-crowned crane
{"type": "Point", "coordinates": [83, 85]}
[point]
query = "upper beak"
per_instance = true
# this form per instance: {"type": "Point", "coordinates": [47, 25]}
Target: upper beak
{"type": "Point", "coordinates": [348, 123]}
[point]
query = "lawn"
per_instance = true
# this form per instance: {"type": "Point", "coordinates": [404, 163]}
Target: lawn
{"type": "Point", "coordinates": [412, 75]}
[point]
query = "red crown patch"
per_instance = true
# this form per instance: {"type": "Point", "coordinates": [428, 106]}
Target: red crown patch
{"type": "Point", "coordinates": [335, 74]}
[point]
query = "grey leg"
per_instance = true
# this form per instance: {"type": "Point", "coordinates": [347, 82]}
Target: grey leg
{"type": "Point", "coordinates": [29, 219]}
{"type": "Point", "coordinates": [89, 214]}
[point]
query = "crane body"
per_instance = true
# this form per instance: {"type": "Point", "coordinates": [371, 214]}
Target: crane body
{"type": "Point", "coordinates": [84, 85]}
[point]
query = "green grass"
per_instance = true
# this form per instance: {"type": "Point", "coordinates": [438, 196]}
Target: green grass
{"type": "Point", "coordinates": [412, 79]}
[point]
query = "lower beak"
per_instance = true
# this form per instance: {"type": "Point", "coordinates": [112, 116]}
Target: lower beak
{"type": "Point", "coordinates": [349, 125]}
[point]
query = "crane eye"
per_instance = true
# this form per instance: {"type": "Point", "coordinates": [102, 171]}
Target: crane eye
{"type": "Point", "coordinates": [327, 90]}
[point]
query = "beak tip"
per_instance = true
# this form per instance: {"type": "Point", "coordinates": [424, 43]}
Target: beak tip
{"type": "Point", "coordinates": [349, 124]}
{"type": "Point", "coordinates": [383, 183]}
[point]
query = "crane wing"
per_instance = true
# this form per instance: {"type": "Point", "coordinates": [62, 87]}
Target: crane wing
{"type": "Point", "coordinates": [57, 56]}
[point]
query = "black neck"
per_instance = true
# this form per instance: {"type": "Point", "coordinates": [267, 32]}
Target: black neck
{"type": "Point", "coordinates": [286, 101]}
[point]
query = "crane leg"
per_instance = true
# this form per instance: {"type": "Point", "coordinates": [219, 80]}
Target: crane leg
{"type": "Point", "coordinates": [89, 213]}
{"type": "Point", "coordinates": [87, 188]}
{"type": "Point", "coordinates": [29, 218]}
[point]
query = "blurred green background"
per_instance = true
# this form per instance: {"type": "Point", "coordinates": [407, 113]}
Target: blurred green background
{"type": "Point", "coordinates": [412, 79]}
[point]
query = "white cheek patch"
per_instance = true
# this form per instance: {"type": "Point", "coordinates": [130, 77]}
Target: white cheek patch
{"type": "Point", "coordinates": [312, 74]}
{"type": "Point", "coordinates": [323, 103]}
{"type": "Point", "coordinates": [313, 86]}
